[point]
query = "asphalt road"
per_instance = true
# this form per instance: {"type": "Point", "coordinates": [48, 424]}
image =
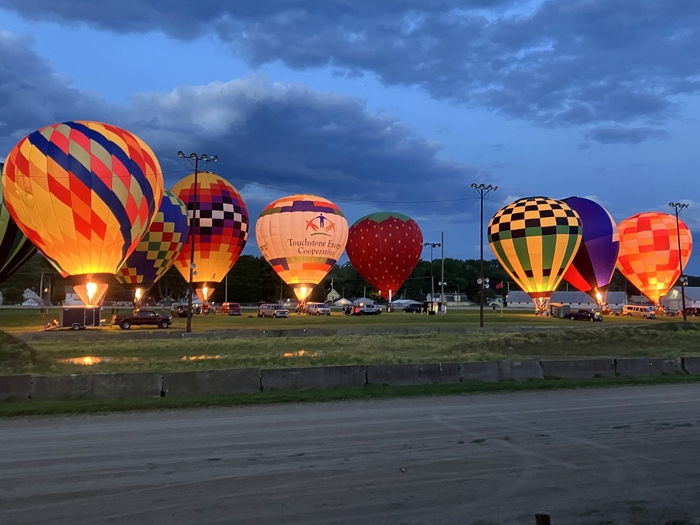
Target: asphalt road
{"type": "Point", "coordinates": [609, 456]}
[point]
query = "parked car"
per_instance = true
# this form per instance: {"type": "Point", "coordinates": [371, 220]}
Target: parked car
{"type": "Point", "coordinates": [142, 317]}
{"type": "Point", "coordinates": [634, 310]}
{"type": "Point", "coordinates": [272, 310]}
{"type": "Point", "coordinates": [692, 312]}
{"type": "Point", "coordinates": [586, 314]}
{"type": "Point", "coordinates": [317, 309]}
{"type": "Point", "coordinates": [231, 309]}
{"type": "Point", "coordinates": [413, 308]}
{"type": "Point", "coordinates": [366, 309]}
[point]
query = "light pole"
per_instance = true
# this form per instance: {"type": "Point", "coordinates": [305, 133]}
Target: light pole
{"type": "Point", "coordinates": [432, 280]}
{"type": "Point", "coordinates": [196, 159]}
{"type": "Point", "coordinates": [677, 207]}
{"type": "Point", "coordinates": [482, 190]}
{"type": "Point", "coordinates": [442, 273]}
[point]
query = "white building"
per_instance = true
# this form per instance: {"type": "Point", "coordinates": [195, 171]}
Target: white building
{"type": "Point", "coordinates": [672, 301]}
{"type": "Point", "coordinates": [616, 300]}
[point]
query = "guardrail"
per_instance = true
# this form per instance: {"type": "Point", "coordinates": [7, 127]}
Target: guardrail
{"type": "Point", "coordinates": [250, 380]}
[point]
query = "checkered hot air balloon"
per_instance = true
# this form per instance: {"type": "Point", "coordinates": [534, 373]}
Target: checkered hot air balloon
{"type": "Point", "coordinates": [385, 248]}
{"type": "Point", "coordinates": [535, 239]}
{"type": "Point", "coordinates": [302, 237]}
{"type": "Point", "coordinates": [649, 252]}
{"type": "Point", "coordinates": [220, 229]}
{"type": "Point", "coordinates": [15, 248]}
{"type": "Point", "coordinates": [84, 193]}
{"type": "Point", "coordinates": [158, 248]}
{"type": "Point", "coordinates": [594, 263]}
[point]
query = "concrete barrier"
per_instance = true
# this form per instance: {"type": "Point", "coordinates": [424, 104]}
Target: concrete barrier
{"type": "Point", "coordinates": [643, 366]}
{"type": "Point", "coordinates": [212, 382]}
{"type": "Point", "coordinates": [483, 371]}
{"type": "Point", "coordinates": [519, 370]}
{"type": "Point", "coordinates": [582, 369]}
{"type": "Point", "coordinates": [660, 366]}
{"type": "Point", "coordinates": [15, 388]}
{"type": "Point", "coordinates": [96, 386]}
{"type": "Point", "coordinates": [413, 374]}
{"type": "Point", "coordinates": [691, 365]}
{"type": "Point", "coordinates": [307, 378]}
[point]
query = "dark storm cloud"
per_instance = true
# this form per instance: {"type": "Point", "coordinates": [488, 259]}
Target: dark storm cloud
{"type": "Point", "coordinates": [555, 63]}
{"type": "Point", "coordinates": [617, 134]}
{"type": "Point", "coordinates": [277, 135]}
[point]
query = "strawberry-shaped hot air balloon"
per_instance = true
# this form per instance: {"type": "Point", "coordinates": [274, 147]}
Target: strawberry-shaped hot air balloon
{"type": "Point", "coordinates": [301, 237]}
{"type": "Point", "coordinates": [84, 193]}
{"type": "Point", "coordinates": [535, 240]}
{"type": "Point", "coordinates": [385, 248]}
{"type": "Point", "coordinates": [220, 229]}
{"type": "Point", "coordinates": [594, 262]}
{"type": "Point", "coordinates": [649, 252]}
{"type": "Point", "coordinates": [158, 248]}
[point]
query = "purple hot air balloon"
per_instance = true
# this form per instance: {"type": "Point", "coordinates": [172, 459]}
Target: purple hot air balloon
{"type": "Point", "coordinates": [594, 263]}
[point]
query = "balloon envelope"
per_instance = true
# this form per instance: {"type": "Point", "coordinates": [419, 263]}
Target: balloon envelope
{"type": "Point", "coordinates": [15, 248]}
{"type": "Point", "coordinates": [302, 237]}
{"type": "Point", "coordinates": [84, 193]}
{"type": "Point", "coordinates": [649, 256]}
{"type": "Point", "coordinates": [535, 240]}
{"type": "Point", "coordinates": [159, 247]}
{"type": "Point", "coordinates": [385, 248]}
{"type": "Point", "coordinates": [220, 229]}
{"type": "Point", "coordinates": [594, 262]}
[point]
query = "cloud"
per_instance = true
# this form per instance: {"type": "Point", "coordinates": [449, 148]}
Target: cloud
{"type": "Point", "coordinates": [620, 134]}
{"type": "Point", "coordinates": [554, 63]}
{"type": "Point", "coordinates": [280, 136]}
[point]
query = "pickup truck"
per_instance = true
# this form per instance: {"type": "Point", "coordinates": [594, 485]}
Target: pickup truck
{"type": "Point", "coordinates": [366, 309]}
{"type": "Point", "coordinates": [142, 317]}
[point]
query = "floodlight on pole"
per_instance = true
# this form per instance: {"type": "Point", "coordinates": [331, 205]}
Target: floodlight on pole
{"type": "Point", "coordinates": [482, 190]}
{"type": "Point", "coordinates": [195, 159]}
{"type": "Point", "coordinates": [432, 280]}
{"type": "Point", "coordinates": [677, 207]}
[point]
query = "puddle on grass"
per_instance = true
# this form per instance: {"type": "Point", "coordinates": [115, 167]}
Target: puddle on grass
{"type": "Point", "coordinates": [301, 353]}
{"type": "Point", "coordinates": [92, 360]}
{"type": "Point", "coordinates": [201, 357]}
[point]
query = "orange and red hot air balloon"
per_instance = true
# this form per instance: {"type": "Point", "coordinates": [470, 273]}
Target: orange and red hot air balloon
{"type": "Point", "coordinates": [220, 230]}
{"type": "Point", "coordinates": [84, 193]}
{"type": "Point", "coordinates": [649, 256]}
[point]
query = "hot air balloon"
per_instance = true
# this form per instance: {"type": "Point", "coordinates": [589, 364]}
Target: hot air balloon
{"type": "Point", "coordinates": [158, 248]}
{"type": "Point", "coordinates": [84, 193]}
{"type": "Point", "coordinates": [535, 240]}
{"type": "Point", "coordinates": [15, 248]}
{"type": "Point", "coordinates": [649, 252]}
{"type": "Point", "coordinates": [385, 248]}
{"type": "Point", "coordinates": [594, 262]}
{"type": "Point", "coordinates": [302, 237]}
{"type": "Point", "coordinates": [219, 228]}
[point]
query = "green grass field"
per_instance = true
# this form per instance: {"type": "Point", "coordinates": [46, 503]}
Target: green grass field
{"type": "Point", "coordinates": [74, 353]}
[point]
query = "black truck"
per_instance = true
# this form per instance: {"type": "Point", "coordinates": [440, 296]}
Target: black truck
{"type": "Point", "coordinates": [142, 317]}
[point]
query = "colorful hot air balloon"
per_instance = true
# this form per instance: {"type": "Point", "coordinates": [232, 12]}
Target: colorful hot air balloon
{"type": "Point", "coordinates": [220, 229]}
{"type": "Point", "coordinates": [84, 193]}
{"type": "Point", "coordinates": [594, 262]}
{"type": "Point", "coordinates": [385, 248]}
{"type": "Point", "coordinates": [649, 252]}
{"type": "Point", "coordinates": [158, 248]}
{"type": "Point", "coordinates": [302, 237]}
{"type": "Point", "coordinates": [535, 240]}
{"type": "Point", "coordinates": [15, 248]}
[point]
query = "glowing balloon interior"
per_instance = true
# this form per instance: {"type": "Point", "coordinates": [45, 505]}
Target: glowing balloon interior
{"type": "Point", "coordinates": [84, 193]}
{"type": "Point", "coordinates": [535, 240]}
{"type": "Point", "coordinates": [220, 229]}
{"type": "Point", "coordinates": [15, 248]}
{"type": "Point", "coordinates": [649, 252]}
{"type": "Point", "coordinates": [385, 248]}
{"type": "Point", "coordinates": [302, 237]}
{"type": "Point", "coordinates": [594, 263]}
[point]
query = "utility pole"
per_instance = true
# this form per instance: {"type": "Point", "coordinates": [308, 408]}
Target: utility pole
{"type": "Point", "coordinates": [432, 279]}
{"type": "Point", "coordinates": [482, 190]}
{"type": "Point", "coordinates": [194, 220]}
{"type": "Point", "coordinates": [677, 207]}
{"type": "Point", "coordinates": [442, 282]}
{"type": "Point", "coordinates": [226, 290]}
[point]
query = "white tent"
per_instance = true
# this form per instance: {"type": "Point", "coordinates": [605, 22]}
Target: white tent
{"type": "Point", "coordinates": [403, 303]}
{"type": "Point", "coordinates": [342, 302]}
{"type": "Point", "coordinates": [363, 300]}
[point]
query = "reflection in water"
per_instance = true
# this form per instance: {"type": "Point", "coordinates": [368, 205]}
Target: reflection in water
{"type": "Point", "coordinates": [201, 357]}
{"type": "Point", "coordinates": [90, 360]}
{"type": "Point", "coordinates": [301, 353]}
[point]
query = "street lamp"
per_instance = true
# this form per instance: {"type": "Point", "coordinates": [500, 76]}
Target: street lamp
{"type": "Point", "coordinates": [194, 159]}
{"type": "Point", "coordinates": [677, 207]}
{"type": "Point", "coordinates": [482, 190]}
{"type": "Point", "coordinates": [432, 280]}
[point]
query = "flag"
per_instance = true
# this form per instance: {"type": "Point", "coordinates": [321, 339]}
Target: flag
{"type": "Point", "coordinates": [499, 285]}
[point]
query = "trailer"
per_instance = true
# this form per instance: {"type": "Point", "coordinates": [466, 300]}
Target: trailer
{"type": "Point", "coordinates": [559, 310]}
{"type": "Point", "coordinates": [79, 317]}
